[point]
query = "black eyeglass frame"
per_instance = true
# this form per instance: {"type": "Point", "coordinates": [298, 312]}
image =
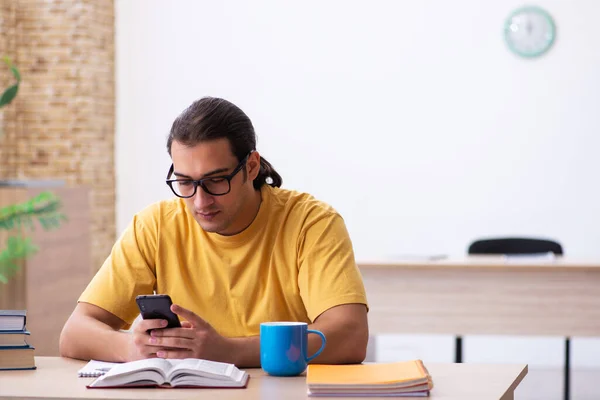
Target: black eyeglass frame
{"type": "Point", "coordinates": [200, 182]}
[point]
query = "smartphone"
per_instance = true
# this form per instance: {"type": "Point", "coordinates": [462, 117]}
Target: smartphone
{"type": "Point", "coordinates": [158, 306]}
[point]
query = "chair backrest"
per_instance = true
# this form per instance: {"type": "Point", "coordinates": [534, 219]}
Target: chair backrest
{"type": "Point", "coordinates": [515, 246]}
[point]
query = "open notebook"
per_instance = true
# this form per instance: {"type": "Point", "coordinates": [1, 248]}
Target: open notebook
{"type": "Point", "coordinates": [400, 379]}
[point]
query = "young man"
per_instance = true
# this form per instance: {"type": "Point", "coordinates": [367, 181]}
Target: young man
{"type": "Point", "coordinates": [232, 250]}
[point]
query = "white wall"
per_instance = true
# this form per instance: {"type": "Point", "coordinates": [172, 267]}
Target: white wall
{"type": "Point", "coordinates": [411, 118]}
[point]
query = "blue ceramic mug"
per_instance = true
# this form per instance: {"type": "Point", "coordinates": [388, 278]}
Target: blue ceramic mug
{"type": "Point", "coordinates": [284, 346]}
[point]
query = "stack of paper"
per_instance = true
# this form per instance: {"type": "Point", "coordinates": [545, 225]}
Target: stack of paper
{"type": "Point", "coordinates": [408, 378]}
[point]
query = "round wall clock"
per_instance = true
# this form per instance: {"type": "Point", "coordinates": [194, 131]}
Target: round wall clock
{"type": "Point", "coordinates": [529, 31]}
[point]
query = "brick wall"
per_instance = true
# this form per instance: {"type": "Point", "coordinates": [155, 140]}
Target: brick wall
{"type": "Point", "coordinates": [61, 125]}
{"type": "Point", "coordinates": [7, 115]}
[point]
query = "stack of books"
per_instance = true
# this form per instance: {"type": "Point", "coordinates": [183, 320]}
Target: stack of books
{"type": "Point", "coordinates": [400, 379]}
{"type": "Point", "coordinates": [15, 352]}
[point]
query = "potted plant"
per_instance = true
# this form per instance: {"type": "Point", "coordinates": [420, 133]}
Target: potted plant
{"type": "Point", "coordinates": [18, 219]}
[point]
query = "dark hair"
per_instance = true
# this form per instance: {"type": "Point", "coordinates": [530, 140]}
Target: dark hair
{"type": "Point", "coordinates": [211, 118]}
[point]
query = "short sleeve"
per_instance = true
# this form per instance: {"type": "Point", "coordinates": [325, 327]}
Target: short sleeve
{"type": "Point", "coordinates": [128, 271]}
{"type": "Point", "coordinates": [328, 275]}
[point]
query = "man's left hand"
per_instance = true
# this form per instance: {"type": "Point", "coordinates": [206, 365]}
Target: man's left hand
{"type": "Point", "coordinates": [195, 339]}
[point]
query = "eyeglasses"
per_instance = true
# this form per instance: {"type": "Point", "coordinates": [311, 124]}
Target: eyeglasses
{"type": "Point", "coordinates": [214, 185]}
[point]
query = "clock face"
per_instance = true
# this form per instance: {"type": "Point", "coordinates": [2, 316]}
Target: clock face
{"type": "Point", "coordinates": [529, 31]}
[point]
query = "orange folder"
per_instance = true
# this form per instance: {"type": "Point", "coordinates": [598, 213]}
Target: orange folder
{"type": "Point", "coordinates": [398, 377]}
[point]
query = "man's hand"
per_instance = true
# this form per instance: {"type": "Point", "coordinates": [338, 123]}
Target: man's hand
{"type": "Point", "coordinates": [140, 347]}
{"type": "Point", "coordinates": [195, 339]}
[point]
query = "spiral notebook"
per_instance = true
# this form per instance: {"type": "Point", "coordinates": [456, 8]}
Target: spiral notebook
{"type": "Point", "coordinates": [95, 369]}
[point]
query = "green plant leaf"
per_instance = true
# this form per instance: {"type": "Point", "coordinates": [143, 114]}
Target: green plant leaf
{"type": "Point", "coordinates": [17, 249]}
{"type": "Point", "coordinates": [9, 95]}
{"type": "Point", "coordinates": [44, 207]}
{"type": "Point", "coordinates": [16, 73]}
{"type": "Point", "coordinates": [45, 224]}
{"type": "Point", "coordinates": [12, 266]}
{"type": "Point", "coordinates": [14, 70]}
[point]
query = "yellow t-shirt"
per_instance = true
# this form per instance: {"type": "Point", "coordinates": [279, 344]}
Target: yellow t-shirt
{"type": "Point", "coordinates": [292, 263]}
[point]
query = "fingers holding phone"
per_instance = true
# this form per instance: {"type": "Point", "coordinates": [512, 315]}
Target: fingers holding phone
{"type": "Point", "coordinates": [156, 314]}
{"type": "Point", "coordinates": [158, 306]}
{"type": "Point", "coordinates": [196, 339]}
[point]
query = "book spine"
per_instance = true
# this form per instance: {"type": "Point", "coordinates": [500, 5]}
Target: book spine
{"type": "Point", "coordinates": [15, 347]}
{"type": "Point", "coordinates": [21, 347]}
{"type": "Point", "coordinates": [17, 369]}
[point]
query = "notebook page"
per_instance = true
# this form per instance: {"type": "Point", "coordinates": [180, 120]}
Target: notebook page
{"type": "Point", "coordinates": [95, 368]}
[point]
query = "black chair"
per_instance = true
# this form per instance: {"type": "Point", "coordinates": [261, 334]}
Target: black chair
{"type": "Point", "coordinates": [515, 246]}
{"type": "Point", "coordinates": [519, 246]}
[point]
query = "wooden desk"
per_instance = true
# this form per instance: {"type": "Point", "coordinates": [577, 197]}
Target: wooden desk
{"type": "Point", "coordinates": [56, 378]}
{"type": "Point", "coordinates": [484, 295]}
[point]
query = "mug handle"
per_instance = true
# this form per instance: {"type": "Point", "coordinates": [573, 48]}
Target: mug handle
{"type": "Point", "coordinates": [323, 342]}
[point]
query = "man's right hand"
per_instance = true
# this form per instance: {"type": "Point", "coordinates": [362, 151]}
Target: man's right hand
{"type": "Point", "coordinates": [139, 346]}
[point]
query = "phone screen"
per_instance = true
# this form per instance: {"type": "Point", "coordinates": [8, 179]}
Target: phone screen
{"type": "Point", "coordinates": [158, 306]}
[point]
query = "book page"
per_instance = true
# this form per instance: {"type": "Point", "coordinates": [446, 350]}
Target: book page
{"type": "Point", "coordinates": [153, 370]}
{"type": "Point", "coordinates": [198, 381]}
{"type": "Point", "coordinates": [209, 369]}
